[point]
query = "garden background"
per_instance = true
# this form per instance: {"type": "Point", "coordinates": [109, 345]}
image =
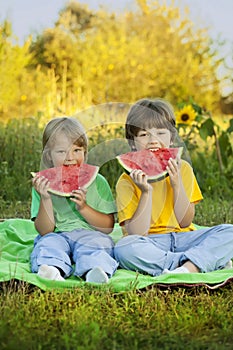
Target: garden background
{"type": "Point", "coordinates": [93, 64]}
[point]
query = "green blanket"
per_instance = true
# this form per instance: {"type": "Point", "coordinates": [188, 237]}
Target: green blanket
{"type": "Point", "coordinates": [16, 243]}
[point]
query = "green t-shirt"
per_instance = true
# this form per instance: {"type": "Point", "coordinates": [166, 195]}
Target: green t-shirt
{"type": "Point", "coordinates": [67, 217]}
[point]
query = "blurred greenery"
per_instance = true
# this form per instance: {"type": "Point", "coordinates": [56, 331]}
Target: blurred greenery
{"type": "Point", "coordinates": [92, 57]}
{"type": "Point", "coordinates": [93, 65]}
{"type": "Point", "coordinates": [20, 153]}
{"type": "Point", "coordinates": [210, 146]}
{"type": "Point", "coordinates": [109, 60]}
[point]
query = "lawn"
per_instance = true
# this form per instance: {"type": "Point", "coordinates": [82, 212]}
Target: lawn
{"type": "Point", "coordinates": [92, 318]}
{"type": "Point", "coordinates": [89, 317]}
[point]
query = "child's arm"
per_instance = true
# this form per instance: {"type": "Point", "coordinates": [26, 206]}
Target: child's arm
{"type": "Point", "coordinates": [140, 223]}
{"type": "Point", "coordinates": [101, 221]}
{"type": "Point", "coordinates": [183, 209]}
{"type": "Point", "coordinates": [44, 222]}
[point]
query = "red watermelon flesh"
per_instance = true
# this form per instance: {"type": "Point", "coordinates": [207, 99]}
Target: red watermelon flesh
{"type": "Point", "coordinates": [152, 163]}
{"type": "Point", "coordinates": [66, 178]}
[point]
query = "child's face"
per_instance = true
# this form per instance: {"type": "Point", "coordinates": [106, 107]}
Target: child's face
{"type": "Point", "coordinates": [65, 153]}
{"type": "Point", "coordinates": [153, 139]}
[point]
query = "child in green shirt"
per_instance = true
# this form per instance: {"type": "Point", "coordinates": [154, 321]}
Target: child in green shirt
{"type": "Point", "coordinates": [72, 231]}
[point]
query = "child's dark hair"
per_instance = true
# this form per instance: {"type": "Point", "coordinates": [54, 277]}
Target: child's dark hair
{"type": "Point", "coordinates": [146, 114]}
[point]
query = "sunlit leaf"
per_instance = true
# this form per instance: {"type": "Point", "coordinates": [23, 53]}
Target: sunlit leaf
{"type": "Point", "coordinates": [207, 129]}
{"type": "Point", "coordinates": [225, 147]}
{"type": "Point", "coordinates": [230, 129]}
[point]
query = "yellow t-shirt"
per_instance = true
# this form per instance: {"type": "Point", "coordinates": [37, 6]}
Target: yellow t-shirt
{"type": "Point", "coordinates": [163, 219]}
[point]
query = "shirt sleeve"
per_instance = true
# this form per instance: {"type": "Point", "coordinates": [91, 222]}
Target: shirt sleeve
{"type": "Point", "coordinates": [35, 204]}
{"type": "Point", "coordinates": [99, 196]}
{"type": "Point", "coordinates": [191, 186]}
{"type": "Point", "coordinates": [127, 198]}
{"type": "Point", "coordinates": [128, 194]}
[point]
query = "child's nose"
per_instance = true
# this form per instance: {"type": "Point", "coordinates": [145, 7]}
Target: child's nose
{"type": "Point", "coordinates": [154, 138]}
{"type": "Point", "coordinates": [69, 155]}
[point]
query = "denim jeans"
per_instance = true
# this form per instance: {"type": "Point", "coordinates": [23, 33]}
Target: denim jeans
{"type": "Point", "coordinates": [208, 248]}
{"type": "Point", "coordinates": [86, 249]}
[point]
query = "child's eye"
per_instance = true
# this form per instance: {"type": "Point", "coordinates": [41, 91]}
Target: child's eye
{"type": "Point", "coordinates": [78, 150]}
{"type": "Point", "coordinates": [143, 134]}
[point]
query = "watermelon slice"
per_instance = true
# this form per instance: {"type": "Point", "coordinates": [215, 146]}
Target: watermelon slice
{"type": "Point", "coordinates": [152, 163]}
{"type": "Point", "coordinates": [66, 178]}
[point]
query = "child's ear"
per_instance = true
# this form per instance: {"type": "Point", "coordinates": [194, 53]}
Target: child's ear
{"type": "Point", "coordinates": [132, 145]}
{"type": "Point", "coordinates": [172, 141]}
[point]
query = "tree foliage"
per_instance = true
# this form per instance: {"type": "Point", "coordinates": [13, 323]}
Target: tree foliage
{"type": "Point", "coordinates": [23, 90]}
{"type": "Point", "coordinates": [92, 57]}
{"type": "Point", "coordinates": [13, 60]}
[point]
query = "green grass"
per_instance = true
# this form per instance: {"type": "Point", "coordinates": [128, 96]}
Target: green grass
{"type": "Point", "coordinates": [89, 318]}
{"type": "Point", "coordinates": [209, 212]}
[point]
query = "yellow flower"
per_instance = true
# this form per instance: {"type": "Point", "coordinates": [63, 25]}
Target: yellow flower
{"type": "Point", "coordinates": [110, 66]}
{"type": "Point", "coordinates": [23, 98]}
{"type": "Point", "coordinates": [186, 115]}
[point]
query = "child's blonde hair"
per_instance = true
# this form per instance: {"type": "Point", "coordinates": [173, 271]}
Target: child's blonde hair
{"type": "Point", "coordinates": [68, 126]}
{"type": "Point", "coordinates": [146, 114]}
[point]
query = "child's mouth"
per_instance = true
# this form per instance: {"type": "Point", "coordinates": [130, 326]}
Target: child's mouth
{"type": "Point", "coordinates": [153, 149]}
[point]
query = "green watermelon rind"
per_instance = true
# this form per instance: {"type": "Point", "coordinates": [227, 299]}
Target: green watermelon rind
{"type": "Point", "coordinates": [69, 194]}
{"type": "Point", "coordinates": [159, 177]}
{"type": "Point", "coordinates": [152, 178]}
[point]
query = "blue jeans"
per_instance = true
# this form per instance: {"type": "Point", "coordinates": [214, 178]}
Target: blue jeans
{"type": "Point", "coordinates": [86, 249]}
{"type": "Point", "coordinates": [208, 248]}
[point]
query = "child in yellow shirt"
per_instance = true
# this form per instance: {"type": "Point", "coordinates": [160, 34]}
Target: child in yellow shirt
{"type": "Point", "coordinates": [157, 217]}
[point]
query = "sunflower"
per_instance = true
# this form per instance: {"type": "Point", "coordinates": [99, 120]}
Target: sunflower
{"type": "Point", "coordinates": [186, 115]}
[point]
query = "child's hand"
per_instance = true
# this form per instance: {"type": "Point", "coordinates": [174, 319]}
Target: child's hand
{"type": "Point", "coordinates": [41, 185]}
{"type": "Point", "coordinates": [140, 179]}
{"type": "Point", "coordinates": [173, 169]}
{"type": "Point", "coordinates": [79, 197]}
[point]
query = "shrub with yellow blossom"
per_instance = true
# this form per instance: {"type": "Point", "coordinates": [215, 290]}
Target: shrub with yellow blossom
{"type": "Point", "coordinates": [186, 115]}
{"type": "Point", "coordinates": [195, 124]}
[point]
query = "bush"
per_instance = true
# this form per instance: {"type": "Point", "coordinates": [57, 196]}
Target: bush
{"type": "Point", "coordinates": [20, 153]}
{"type": "Point", "coordinates": [20, 149]}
